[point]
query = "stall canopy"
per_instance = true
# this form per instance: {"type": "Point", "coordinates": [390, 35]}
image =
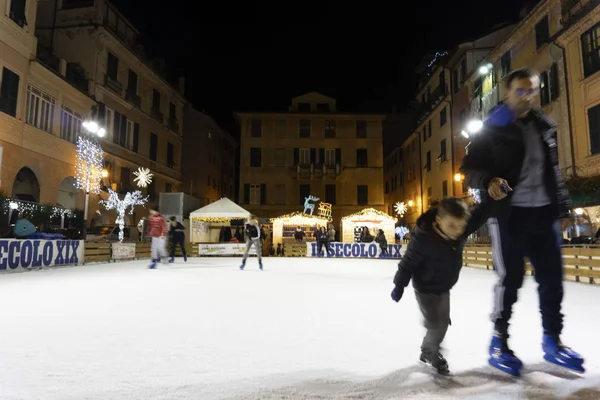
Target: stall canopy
{"type": "Point", "coordinates": [222, 210]}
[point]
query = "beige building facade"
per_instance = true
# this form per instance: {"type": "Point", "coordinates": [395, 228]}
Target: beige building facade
{"type": "Point", "coordinates": [311, 150]}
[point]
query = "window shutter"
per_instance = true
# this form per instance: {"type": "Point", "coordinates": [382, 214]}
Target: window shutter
{"type": "Point", "coordinates": [313, 155]}
{"type": "Point", "coordinates": [136, 137]}
{"type": "Point", "coordinates": [296, 156]}
{"type": "Point", "coordinates": [101, 113]}
{"type": "Point", "coordinates": [246, 193]}
{"type": "Point", "coordinates": [554, 91]}
{"type": "Point", "coordinates": [263, 193]}
{"type": "Point", "coordinates": [322, 156]}
{"type": "Point", "coordinates": [338, 156]}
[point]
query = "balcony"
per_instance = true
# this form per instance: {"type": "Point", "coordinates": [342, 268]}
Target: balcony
{"type": "Point", "coordinates": [76, 77]}
{"type": "Point", "coordinates": [316, 171]}
{"type": "Point", "coordinates": [173, 124]}
{"type": "Point", "coordinates": [489, 101]}
{"type": "Point", "coordinates": [438, 94]}
{"type": "Point", "coordinates": [157, 115]}
{"type": "Point", "coordinates": [574, 10]}
{"type": "Point", "coordinates": [133, 98]}
{"type": "Point", "coordinates": [113, 85]}
{"type": "Point", "coordinates": [45, 56]}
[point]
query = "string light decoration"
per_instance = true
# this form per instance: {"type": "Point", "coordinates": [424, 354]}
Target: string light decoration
{"type": "Point", "coordinates": [475, 195]}
{"type": "Point", "coordinates": [143, 177]}
{"type": "Point", "coordinates": [89, 165]}
{"type": "Point", "coordinates": [370, 212]}
{"type": "Point", "coordinates": [400, 208]}
{"type": "Point", "coordinates": [28, 209]}
{"type": "Point", "coordinates": [61, 212]}
{"type": "Point", "coordinates": [298, 218]}
{"type": "Point", "coordinates": [130, 200]}
{"type": "Point", "coordinates": [401, 231]}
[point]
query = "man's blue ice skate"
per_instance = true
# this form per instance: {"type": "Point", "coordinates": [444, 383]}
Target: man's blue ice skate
{"type": "Point", "coordinates": [503, 358]}
{"type": "Point", "coordinates": [260, 266]}
{"type": "Point", "coordinates": [559, 354]}
{"type": "Point", "coordinates": [153, 265]}
{"type": "Point", "coordinates": [171, 260]}
{"type": "Point", "coordinates": [242, 266]}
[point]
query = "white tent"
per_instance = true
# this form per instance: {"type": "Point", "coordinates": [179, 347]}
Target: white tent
{"type": "Point", "coordinates": [221, 209]}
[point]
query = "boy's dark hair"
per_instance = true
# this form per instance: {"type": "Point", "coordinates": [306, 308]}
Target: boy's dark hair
{"type": "Point", "coordinates": [453, 207]}
{"type": "Point", "coordinates": [521, 73]}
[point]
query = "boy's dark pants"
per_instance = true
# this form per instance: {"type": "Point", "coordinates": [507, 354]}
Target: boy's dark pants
{"type": "Point", "coordinates": [436, 311]}
{"type": "Point", "coordinates": [177, 241]}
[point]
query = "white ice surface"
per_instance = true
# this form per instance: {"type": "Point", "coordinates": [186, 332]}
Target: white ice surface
{"type": "Point", "coordinates": [302, 329]}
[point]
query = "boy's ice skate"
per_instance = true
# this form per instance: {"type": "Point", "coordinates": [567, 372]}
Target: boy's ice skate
{"type": "Point", "coordinates": [502, 357]}
{"type": "Point", "coordinates": [437, 362]}
{"type": "Point", "coordinates": [557, 353]}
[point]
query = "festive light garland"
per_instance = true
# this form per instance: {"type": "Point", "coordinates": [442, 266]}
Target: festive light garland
{"type": "Point", "coordinates": [89, 165]}
{"type": "Point", "coordinates": [28, 209]}
{"type": "Point", "coordinates": [435, 58]}
{"type": "Point", "coordinates": [143, 177]}
{"type": "Point", "coordinates": [299, 218]}
{"type": "Point", "coordinates": [368, 212]}
{"type": "Point", "coordinates": [214, 219]}
{"type": "Point", "coordinates": [131, 199]}
{"type": "Point", "coordinates": [400, 208]}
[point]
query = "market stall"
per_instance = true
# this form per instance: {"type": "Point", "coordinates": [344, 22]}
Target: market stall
{"type": "Point", "coordinates": [285, 226]}
{"type": "Point", "coordinates": [209, 223]}
{"type": "Point", "coordinates": [370, 218]}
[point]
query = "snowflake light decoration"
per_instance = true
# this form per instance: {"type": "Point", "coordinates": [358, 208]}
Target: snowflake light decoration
{"type": "Point", "coordinates": [474, 194]}
{"type": "Point", "coordinates": [400, 208]}
{"type": "Point", "coordinates": [143, 177]}
{"type": "Point", "coordinates": [401, 231]}
{"type": "Point", "coordinates": [89, 165]}
{"type": "Point", "coordinates": [131, 199]}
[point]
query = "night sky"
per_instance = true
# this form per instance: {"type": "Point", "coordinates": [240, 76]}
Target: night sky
{"type": "Point", "coordinates": [257, 55]}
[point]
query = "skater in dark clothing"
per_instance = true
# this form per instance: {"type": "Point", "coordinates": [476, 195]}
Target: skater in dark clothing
{"type": "Point", "coordinates": [433, 261]}
{"type": "Point", "coordinates": [177, 233]}
{"type": "Point", "coordinates": [514, 162]}
{"type": "Point", "coordinates": [382, 241]}
{"type": "Point", "coordinates": [322, 239]}
{"type": "Point", "coordinates": [252, 239]}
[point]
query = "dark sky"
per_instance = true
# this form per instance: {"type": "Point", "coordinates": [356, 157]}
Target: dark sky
{"type": "Point", "coordinates": [256, 55]}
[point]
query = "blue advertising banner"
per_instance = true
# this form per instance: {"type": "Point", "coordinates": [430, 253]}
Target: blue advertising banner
{"type": "Point", "coordinates": [21, 254]}
{"type": "Point", "coordinates": [355, 250]}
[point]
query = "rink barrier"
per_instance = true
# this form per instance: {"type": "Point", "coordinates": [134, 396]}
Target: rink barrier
{"type": "Point", "coordinates": [101, 252]}
{"type": "Point", "coordinates": [294, 249]}
{"type": "Point", "coordinates": [581, 263]}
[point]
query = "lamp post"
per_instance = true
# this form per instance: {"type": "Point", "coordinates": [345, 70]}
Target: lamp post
{"type": "Point", "coordinates": [89, 164]}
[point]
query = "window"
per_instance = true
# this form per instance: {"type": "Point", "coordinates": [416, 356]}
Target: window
{"type": "Point", "coordinates": [121, 128]}
{"type": "Point", "coordinates": [17, 12]}
{"type": "Point", "coordinates": [70, 124]}
{"type": "Point", "coordinates": [172, 111]}
{"type": "Point", "coordinates": [542, 32]}
{"type": "Point", "coordinates": [280, 194]}
{"type": "Point", "coordinates": [136, 137]}
{"type": "Point", "coordinates": [132, 83]}
{"type": "Point", "coordinates": [304, 107]}
{"type": "Point", "coordinates": [362, 195]}
{"type": "Point", "coordinates": [330, 194]}
{"type": "Point", "coordinates": [549, 85]}
{"type": "Point", "coordinates": [322, 107]}
{"type": "Point", "coordinates": [443, 150]}
{"type": "Point", "coordinates": [9, 92]}
{"type": "Point", "coordinates": [443, 117]}
{"type": "Point", "coordinates": [255, 157]}
{"type": "Point", "coordinates": [109, 123]}
{"type": "Point", "coordinates": [112, 67]}
{"type": "Point", "coordinates": [256, 128]}
{"type": "Point", "coordinates": [387, 187]}
{"type": "Point", "coordinates": [125, 177]}
{"type": "Point", "coordinates": [505, 64]}
{"type": "Point", "coordinates": [170, 155]}
{"type": "Point", "coordinates": [590, 51]}
{"type": "Point", "coordinates": [429, 126]}
{"type": "Point", "coordinates": [255, 191]}
{"type": "Point", "coordinates": [428, 165]}
{"type": "Point", "coordinates": [330, 157]}
{"type": "Point", "coordinates": [40, 109]}
{"type": "Point", "coordinates": [594, 126]}
{"type": "Point", "coordinates": [329, 129]}
{"type": "Point", "coordinates": [361, 129]}
{"type": "Point", "coordinates": [444, 189]}
{"type": "Point", "coordinates": [280, 129]}
{"type": "Point", "coordinates": [304, 192]}
{"type": "Point", "coordinates": [280, 157]}
{"type": "Point", "coordinates": [66, 4]}
{"type": "Point", "coordinates": [442, 80]}
{"type": "Point", "coordinates": [153, 146]}
{"type": "Point", "coordinates": [303, 157]}
{"type": "Point", "coordinates": [361, 158]}
{"type": "Point", "coordinates": [304, 129]}
{"type": "Point", "coordinates": [168, 187]}
{"type": "Point", "coordinates": [155, 100]}
{"type": "Point", "coordinates": [424, 133]}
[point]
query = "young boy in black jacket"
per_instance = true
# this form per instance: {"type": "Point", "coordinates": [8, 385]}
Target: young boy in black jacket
{"type": "Point", "coordinates": [433, 260]}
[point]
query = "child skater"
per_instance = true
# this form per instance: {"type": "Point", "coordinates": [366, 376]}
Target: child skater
{"type": "Point", "coordinates": [157, 229]}
{"type": "Point", "coordinates": [433, 260]}
{"type": "Point", "coordinates": [177, 232]}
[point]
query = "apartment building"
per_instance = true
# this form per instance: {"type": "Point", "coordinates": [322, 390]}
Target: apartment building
{"type": "Point", "coordinates": [209, 158]}
{"type": "Point", "coordinates": [141, 110]}
{"type": "Point", "coordinates": [42, 105]}
{"type": "Point", "coordinates": [313, 149]}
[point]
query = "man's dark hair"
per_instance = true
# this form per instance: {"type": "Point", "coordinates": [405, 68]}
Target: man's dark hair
{"type": "Point", "coordinates": [454, 207]}
{"type": "Point", "coordinates": [521, 73]}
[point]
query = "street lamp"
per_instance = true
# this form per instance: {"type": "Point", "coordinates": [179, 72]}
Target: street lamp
{"type": "Point", "coordinates": [472, 127]}
{"type": "Point", "coordinates": [485, 69]}
{"type": "Point", "coordinates": [90, 164]}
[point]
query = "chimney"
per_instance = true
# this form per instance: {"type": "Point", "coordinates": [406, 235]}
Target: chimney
{"type": "Point", "coordinates": [182, 85]}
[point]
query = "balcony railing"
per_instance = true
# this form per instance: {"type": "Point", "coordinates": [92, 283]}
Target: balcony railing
{"type": "Point", "coordinates": [318, 171]}
{"type": "Point", "coordinates": [133, 98]}
{"type": "Point", "coordinates": [76, 77]}
{"type": "Point", "coordinates": [574, 10]}
{"type": "Point", "coordinates": [489, 101]}
{"type": "Point", "coordinates": [45, 56]}
{"type": "Point", "coordinates": [113, 85]}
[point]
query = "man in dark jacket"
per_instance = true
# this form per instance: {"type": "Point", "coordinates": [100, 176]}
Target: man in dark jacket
{"type": "Point", "coordinates": [433, 260]}
{"type": "Point", "coordinates": [513, 160]}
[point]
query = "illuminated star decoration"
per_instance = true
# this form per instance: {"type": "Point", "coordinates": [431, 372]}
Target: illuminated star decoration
{"type": "Point", "coordinates": [400, 208]}
{"type": "Point", "coordinates": [89, 165]}
{"type": "Point", "coordinates": [143, 177]}
{"type": "Point", "coordinates": [474, 194]}
{"type": "Point", "coordinates": [131, 199]}
{"type": "Point", "coordinates": [401, 231]}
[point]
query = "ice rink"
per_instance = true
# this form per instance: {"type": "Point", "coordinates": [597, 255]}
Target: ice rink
{"type": "Point", "coordinates": [302, 329]}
